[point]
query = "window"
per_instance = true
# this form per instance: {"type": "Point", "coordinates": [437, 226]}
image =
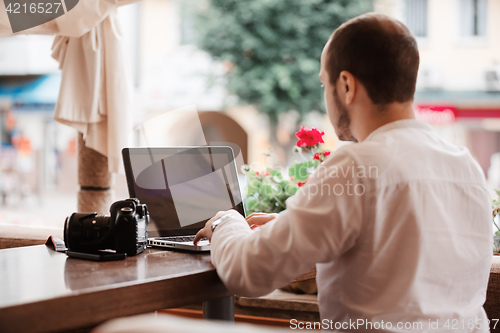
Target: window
{"type": "Point", "coordinates": [416, 17]}
{"type": "Point", "coordinates": [187, 27]}
{"type": "Point", "coordinates": [472, 18]}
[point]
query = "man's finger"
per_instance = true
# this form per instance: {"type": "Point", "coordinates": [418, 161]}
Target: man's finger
{"type": "Point", "coordinates": [260, 219]}
{"type": "Point", "coordinates": [197, 237]}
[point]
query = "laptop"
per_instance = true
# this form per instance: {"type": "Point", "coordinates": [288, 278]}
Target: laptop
{"type": "Point", "coordinates": [183, 187]}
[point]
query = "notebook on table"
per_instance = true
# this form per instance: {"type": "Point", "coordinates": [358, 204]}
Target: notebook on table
{"type": "Point", "coordinates": [183, 187]}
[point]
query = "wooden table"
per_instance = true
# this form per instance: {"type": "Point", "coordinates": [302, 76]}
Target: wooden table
{"type": "Point", "coordinates": [42, 290]}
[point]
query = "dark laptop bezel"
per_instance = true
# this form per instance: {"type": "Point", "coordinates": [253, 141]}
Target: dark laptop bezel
{"type": "Point", "coordinates": [147, 152]}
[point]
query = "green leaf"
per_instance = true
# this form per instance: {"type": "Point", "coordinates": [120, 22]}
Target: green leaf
{"type": "Point", "coordinates": [275, 173]}
{"type": "Point", "coordinates": [267, 191]}
{"type": "Point", "coordinates": [497, 200]}
{"type": "Point", "coordinates": [252, 205]}
{"type": "Point", "coordinates": [253, 187]}
{"type": "Point", "coordinates": [289, 188]}
{"type": "Point", "coordinates": [301, 171]}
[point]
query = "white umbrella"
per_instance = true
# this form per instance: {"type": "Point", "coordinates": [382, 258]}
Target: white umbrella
{"type": "Point", "coordinates": [96, 86]}
{"type": "Point", "coordinates": [95, 91]}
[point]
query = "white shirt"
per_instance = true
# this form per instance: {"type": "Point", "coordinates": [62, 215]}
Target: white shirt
{"type": "Point", "coordinates": [399, 226]}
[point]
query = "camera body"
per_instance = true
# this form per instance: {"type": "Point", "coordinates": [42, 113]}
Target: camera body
{"type": "Point", "coordinates": [124, 231]}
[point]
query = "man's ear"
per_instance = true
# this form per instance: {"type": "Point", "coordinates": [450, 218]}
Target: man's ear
{"type": "Point", "coordinates": [346, 84]}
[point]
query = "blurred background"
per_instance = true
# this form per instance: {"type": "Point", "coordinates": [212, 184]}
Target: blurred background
{"type": "Point", "coordinates": [250, 69]}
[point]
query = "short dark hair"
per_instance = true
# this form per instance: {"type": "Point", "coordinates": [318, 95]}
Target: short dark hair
{"type": "Point", "coordinates": [380, 52]}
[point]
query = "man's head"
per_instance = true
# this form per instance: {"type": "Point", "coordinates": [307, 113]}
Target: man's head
{"type": "Point", "coordinates": [376, 52]}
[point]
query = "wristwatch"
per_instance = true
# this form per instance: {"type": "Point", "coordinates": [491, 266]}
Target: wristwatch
{"type": "Point", "coordinates": [219, 220]}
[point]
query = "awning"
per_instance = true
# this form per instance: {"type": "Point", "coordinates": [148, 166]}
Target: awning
{"type": "Point", "coordinates": [38, 93]}
{"type": "Point", "coordinates": [461, 99]}
{"type": "Point", "coordinates": [445, 107]}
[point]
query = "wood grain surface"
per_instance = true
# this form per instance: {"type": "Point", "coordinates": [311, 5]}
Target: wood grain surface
{"type": "Point", "coordinates": [42, 290]}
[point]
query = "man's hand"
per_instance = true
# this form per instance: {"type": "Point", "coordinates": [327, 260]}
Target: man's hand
{"type": "Point", "coordinates": [206, 232]}
{"type": "Point", "coordinates": [258, 219]}
{"type": "Point", "coordinates": [253, 220]}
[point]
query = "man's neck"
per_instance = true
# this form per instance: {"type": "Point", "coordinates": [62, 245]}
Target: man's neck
{"type": "Point", "coordinates": [378, 117]}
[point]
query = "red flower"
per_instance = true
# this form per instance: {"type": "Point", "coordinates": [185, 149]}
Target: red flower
{"type": "Point", "coordinates": [300, 184]}
{"type": "Point", "coordinates": [321, 155]}
{"type": "Point", "coordinates": [309, 137]}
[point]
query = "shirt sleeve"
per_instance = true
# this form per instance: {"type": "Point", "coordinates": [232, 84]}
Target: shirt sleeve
{"type": "Point", "coordinates": [322, 221]}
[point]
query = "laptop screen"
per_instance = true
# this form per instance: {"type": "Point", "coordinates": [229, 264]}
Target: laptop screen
{"type": "Point", "coordinates": [182, 187]}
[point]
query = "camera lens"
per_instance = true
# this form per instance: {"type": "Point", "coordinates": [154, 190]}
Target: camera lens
{"type": "Point", "coordinates": [86, 232]}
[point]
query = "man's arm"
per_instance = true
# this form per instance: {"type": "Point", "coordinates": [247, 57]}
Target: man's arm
{"type": "Point", "coordinates": [317, 226]}
{"type": "Point", "coordinates": [254, 220]}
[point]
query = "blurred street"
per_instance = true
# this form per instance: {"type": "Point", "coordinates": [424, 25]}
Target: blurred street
{"type": "Point", "coordinates": [49, 211]}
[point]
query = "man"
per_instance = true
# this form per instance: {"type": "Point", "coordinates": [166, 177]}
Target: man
{"type": "Point", "coordinates": [398, 224]}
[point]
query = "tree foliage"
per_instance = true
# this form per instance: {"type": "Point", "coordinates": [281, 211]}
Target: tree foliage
{"type": "Point", "coordinates": [274, 47]}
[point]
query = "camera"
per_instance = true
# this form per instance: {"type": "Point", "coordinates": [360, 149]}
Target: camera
{"type": "Point", "coordinates": [124, 231]}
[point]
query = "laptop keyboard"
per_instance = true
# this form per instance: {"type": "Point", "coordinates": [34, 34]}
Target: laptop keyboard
{"type": "Point", "coordinates": [177, 238]}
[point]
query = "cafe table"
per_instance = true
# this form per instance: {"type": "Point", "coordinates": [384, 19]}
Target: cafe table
{"type": "Point", "coordinates": [42, 290]}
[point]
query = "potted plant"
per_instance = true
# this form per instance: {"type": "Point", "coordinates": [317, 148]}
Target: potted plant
{"type": "Point", "coordinates": [267, 190]}
{"type": "Point", "coordinates": [496, 212]}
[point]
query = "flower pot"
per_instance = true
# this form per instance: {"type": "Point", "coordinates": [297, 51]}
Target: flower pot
{"type": "Point", "coordinates": [496, 244]}
{"type": "Point", "coordinates": [303, 284]}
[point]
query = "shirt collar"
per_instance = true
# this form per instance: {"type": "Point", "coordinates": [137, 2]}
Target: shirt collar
{"type": "Point", "coordinates": [398, 124]}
